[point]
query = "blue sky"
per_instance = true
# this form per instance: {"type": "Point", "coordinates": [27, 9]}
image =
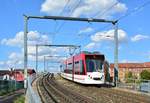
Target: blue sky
{"type": "Point", "coordinates": [134, 34]}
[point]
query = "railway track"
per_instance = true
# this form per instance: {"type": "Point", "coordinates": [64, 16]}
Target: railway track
{"type": "Point", "coordinates": [126, 96]}
{"type": "Point", "coordinates": [51, 92]}
{"type": "Point", "coordinates": [106, 95]}
{"type": "Point", "coordinates": [43, 91]}
{"type": "Point", "coordinates": [115, 96]}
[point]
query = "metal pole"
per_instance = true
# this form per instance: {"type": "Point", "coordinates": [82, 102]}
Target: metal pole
{"type": "Point", "coordinates": [116, 70]}
{"type": "Point", "coordinates": [71, 19]}
{"type": "Point", "coordinates": [44, 64]}
{"type": "Point", "coordinates": [36, 59]}
{"type": "Point", "coordinates": [73, 46]}
{"type": "Point", "coordinates": [25, 50]}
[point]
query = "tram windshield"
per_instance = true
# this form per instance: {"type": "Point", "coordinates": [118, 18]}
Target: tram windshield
{"type": "Point", "coordinates": [94, 65]}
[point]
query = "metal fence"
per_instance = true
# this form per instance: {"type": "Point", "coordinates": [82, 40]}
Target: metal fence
{"type": "Point", "coordinates": [7, 86]}
{"type": "Point", "coordinates": [135, 84]}
{"type": "Point", "coordinates": [31, 95]}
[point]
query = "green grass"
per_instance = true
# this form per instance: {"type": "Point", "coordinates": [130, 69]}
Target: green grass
{"type": "Point", "coordinates": [20, 99]}
{"type": "Point", "coordinates": [5, 91]}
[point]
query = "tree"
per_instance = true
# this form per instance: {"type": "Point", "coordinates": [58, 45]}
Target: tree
{"type": "Point", "coordinates": [145, 75]}
{"type": "Point", "coordinates": [129, 77]}
{"type": "Point", "coordinates": [129, 74]}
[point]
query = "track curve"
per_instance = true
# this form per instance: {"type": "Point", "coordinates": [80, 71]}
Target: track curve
{"type": "Point", "coordinates": [51, 92]}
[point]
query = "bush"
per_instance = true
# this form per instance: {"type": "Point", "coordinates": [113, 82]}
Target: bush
{"type": "Point", "coordinates": [20, 99]}
{"type": "Point", "coordinates": [145, 75]}
{"type": "Point", "coordinates": [3, 92]}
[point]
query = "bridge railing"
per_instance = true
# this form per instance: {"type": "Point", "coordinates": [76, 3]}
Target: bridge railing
{"type": "Point", "coordinates": [31, 95]}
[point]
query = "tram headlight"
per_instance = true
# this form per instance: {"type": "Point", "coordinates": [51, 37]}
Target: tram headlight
{"type": "Point", "coordinates": [102, 76]}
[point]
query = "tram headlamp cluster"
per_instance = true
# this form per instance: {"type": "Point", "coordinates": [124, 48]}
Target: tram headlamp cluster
{"type": "Point", "coordinates": [89, 76]}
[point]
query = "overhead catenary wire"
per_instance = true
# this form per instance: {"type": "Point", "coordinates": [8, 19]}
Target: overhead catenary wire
{"type": "Point", "coordinates": [61, 13]}
{"type": "Point", "coordinates": [106, 10]}
{"type": "Point", "coordinates": [77, 5]}
{"type": "Point", "coordinates": [63, 10]}
{"type": "Point", "coordinates": [128, 14]}
{"type": "Point", "coordinates": [134, 10]}
{"type": "Point", "coordinates": [120, 18]}
{"type": "Point", "coordinates": [102, 13]}
{"type": "Point", "coordinates": [146, 3]}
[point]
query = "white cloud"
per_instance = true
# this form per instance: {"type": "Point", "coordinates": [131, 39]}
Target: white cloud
{"type": "Point", "coordinates": [17, 40]}
{"type": "Point", "coordinates": [87, 8]}
{"type": "Point", "coordinates": [129, 61]}
{"type": "Point", "coordinates": [51, 5]}
{"type": "Point", "coordinates": [55, 59]}
{"type": "Point", "coordinates": [34, 37]}
{"type": "Point", "coordinates": [90, 45]}
{"type": "Point", "coordinates": [2, 63]}
{"type": "Point", "coordinates": [106, 36]}
{"type": "Point", "coordinates": [91, 7]}
{"type": "Point", "coordinates": [139, 37]}
{"type": "Point", "coordinates": [14, 60]}
{"type": "Point", "coordinates": [109, 36]}
{"type": "Point", "coordinates": [55, 6]}
{"type": "Point", "coordinates": [86, 30]}
{"type": "Point", "coordinates": [15, 55]}
{"type": "Point", "coordinates": [42, 50]}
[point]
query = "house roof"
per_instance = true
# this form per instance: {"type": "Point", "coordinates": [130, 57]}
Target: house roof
{"type": "Point", "coordinates": [28, 70]}
{"type": "Point", "coordinates": [3, 72]}
{"type": "Point", "coordinates": [132, 65]}
{"type": "Point", "coordinates": [147, 64]}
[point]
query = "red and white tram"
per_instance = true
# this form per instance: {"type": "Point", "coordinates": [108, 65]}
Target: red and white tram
{"type": "Point", "coordinates": [86, 68]}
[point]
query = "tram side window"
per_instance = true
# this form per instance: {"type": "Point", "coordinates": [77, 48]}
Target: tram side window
{"type": "Point", "coordinates": [76, 67]}
{"type": "Point", "coordinates": [81, 67]}
{"type": "Point", "coordinates": [69, 68]}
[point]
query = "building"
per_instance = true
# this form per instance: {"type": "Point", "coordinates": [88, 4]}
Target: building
{"type": "Point", "coordinates": [17, 74]}
{"type": "Point", "coordinates": [3, 73]}
{"type": "Point", "coordinates": [125, 68]}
